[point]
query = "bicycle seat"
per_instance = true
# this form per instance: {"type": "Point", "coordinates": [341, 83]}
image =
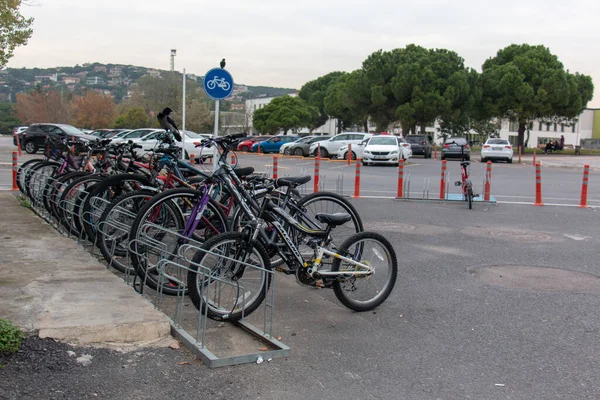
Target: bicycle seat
{"type": "Point", "coordinates": [333, 219]}
{"type": "Point", "coordinates": [465, 163]}
{"type": "Point", "coordinates": [293, 181]}
{"type": "Point", "coordinates": [243, 171]}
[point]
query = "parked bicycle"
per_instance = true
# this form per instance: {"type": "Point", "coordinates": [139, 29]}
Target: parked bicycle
{"type": "Point", "coordinates": [465, 182]}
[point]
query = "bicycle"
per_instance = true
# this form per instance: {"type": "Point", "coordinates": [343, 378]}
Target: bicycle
{"type": "Point", "coordinates": [239, 265]}
{"type": "Point", "coordinates": [465, 182]}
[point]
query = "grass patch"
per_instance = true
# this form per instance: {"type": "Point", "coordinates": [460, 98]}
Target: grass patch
{"type": "Point", "coordinates": [11, 337]}
{"type": "Point", "coordinates": [24, 201]}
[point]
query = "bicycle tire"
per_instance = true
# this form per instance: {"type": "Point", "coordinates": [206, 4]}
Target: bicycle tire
{"type": "Point", "coordinates": [215, 217]}
{"type": "Point", "coordinates": [470, 194]}
{"type": "Point", "coordinates": [22, 171]}
{"type": "Point", "coordinates": [52, 192]}
{"type": "Point", "coordinates": [74, 223]}
{"type": "Point", "coordinates": [200, 291]}
{"type": "Point", "coordinates": [33, 177]}
{"type": "Point", "coordinates": [342, 292]}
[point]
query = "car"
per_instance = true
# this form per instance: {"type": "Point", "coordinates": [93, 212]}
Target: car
{"type": "Point", "coordinates": [246, 145]}
{"type": "Point", "coordinates": [101, 133]}
{"type": "Point", "coordinates": [497, 149]}
{"type": "Point", "coordinates": [451, 148]}
{"type": "Point", "coordinates": [302, 147]}
{"type": "Point", "coordinates": [273, 144]}
{"type": "Point", "coordinates": [17, 131]}
{"type": "Point", "coordinates": [330, 147]}
{"type": "Point", "coordinates": [35, 135]}
{"type": "Point", "coordinates": [189, 143]}
{"type": "Point", "coordinates": [135, 135]}
{"type": "Point", "coordinates": [285, 148]}
{"type": "Point", "coordinates": [385, 150]}
{"type": "Point", "coordinates": [420, 144]}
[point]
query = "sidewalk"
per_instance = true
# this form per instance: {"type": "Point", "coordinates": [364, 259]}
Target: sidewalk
{"type": "Point", "coordinates": [561, 161]}
{"type": "Point", "coordinates": [49, 285]}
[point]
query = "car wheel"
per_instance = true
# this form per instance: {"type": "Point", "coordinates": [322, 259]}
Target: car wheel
{"type": "Point", "coordinates": [31, 147]}
{"type": "Point", "coordinates": [483, 159]}
{"type": "Point", "coordinates": [245, 148]}
{"type": "Point", "coordinates": [262, 150]}
{"type": "Point", "coordinates": [468, 158]}
{"type": "Point", "coordinates": [298, 152]}
{"type": "Point", "coordinates": [442, 158]}
{"type": "Point", "coordinates": [324, 153]}
{"type": "Point", "coordinates": [287, 151]}
{"type": "Point", "coordinates": [509, 161]}
{"type": "Point", "coordinates": [364, 163]}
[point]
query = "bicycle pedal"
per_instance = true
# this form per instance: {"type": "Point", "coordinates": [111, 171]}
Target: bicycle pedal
{"type": "Point", "coordinates": [458, 183]}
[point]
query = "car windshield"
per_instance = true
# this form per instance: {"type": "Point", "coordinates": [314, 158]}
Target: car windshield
{"type": "Point", "coordinates": [195, 135]}
{"type": "Point", "coordinates": [391, 141]}
{"type": "Point", "coordinates": [71, 130]}
{"type": "Point", "coordinates": [319, 139]}
{"type": "Point", "coordinates": [136, 134]}
{"type": "Point", "coordinates": [458, 140]}
{"type": "Point", "coordinates": [497, 141]}
{"type": "Point", "coordinates": [414, 139]}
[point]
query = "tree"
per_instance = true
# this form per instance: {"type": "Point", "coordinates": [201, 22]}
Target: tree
{"type": "Point", "coordinates": [314, 93]}
{"type": "Point", "coordinates": [15, 29]}
{"type": "Point", "coordinates": [93, 110]}
{"type": "Point", "coordinates": [524, 82]}
{"type": "Point", "coordinates": [348, 99]}
{"type": "Point", "coordinates": [198, 118]}
{"type": "Point", "coordinates": [132, 118]}
{"type": "Point", "coordinates": [285, 112]}
{"type": "Point", "coordinates": [39, 106]}
{"type": "Point", "coordinates": [7, 118]}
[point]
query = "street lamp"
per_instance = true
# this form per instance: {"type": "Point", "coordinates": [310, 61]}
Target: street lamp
{"type": "Point", "coordinates": [173, 53]}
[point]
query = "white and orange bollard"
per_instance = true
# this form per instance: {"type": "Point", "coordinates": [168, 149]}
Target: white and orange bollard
{"type": "Point", "coordinates": [443, 181]}
{"type": "Point", "coordinates": [349, 154]}
{"type": "Point", "coordinates": [538, 185]}
{"type": "Point", "coordinates": [233, 159]}
{"type": "Point", "coordinates": [15, 166]}
{"type": "Point", "coordinates": [584, 186]}
{"type": "Point", "coordinates": [275, 167]}
{"type": "Point", "coordinates": [534, 153]}
{"type": "Point", "coordinates": [192, 159]}
{"type": "Point", "coordinates": [357, 180]}
{"type": "Point", "coordinates": [400, 179]}
{"type": "Point", "coordinates": [488, 182]}
{"type": "Point", "coordinates": [317, 172]}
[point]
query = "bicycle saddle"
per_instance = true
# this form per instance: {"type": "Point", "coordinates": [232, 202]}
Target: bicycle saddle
{"type": "Point", "coordinates": [333, 219]}
{"type": "Point", "coordinates": [465, 163]}
{"type": "Point", "coordinates": [243, 171]}
{"type": "Point", "coordinates": [293, 181]}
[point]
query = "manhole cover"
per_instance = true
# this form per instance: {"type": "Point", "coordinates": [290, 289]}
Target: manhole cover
{"type": "Point", "coordinates": [538, 278]}
{"type": "Point", "coordinates": [389, 226]}
{"type": "Point", "coordinates": [513, 235]}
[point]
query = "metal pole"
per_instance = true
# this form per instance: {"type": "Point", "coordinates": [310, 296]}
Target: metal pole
{"type": "Point", "coordinates": [216, 134]}
{"type": "Point", "coordinates": [183, 120]}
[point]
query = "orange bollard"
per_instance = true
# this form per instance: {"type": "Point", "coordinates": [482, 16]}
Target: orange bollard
{"type": "Point", "coordinates": [233, 159]}
{"type": "Point", "coordinates": [434, 151]}
{"type": "Point", "coordinates": [318, 151]}
{"type": "Point", "coordinates": [488, 182]}
{"type": "Point", "coordinates": [520, 152]}
{"type": "Point", "coordinates": [443, 181]}
{"type": "Point", "coordinates": [275, 167]}
{"type": "Point", "coordinates": [316, 180]}
{"type": "Point", "coordinates": [349, 154]}
{"type": "Point", "coordinates": [534, 162]}
{"type": "Point", "coordinates": [584, 186]}
{"type": "Point", "coordinates": [14, 170]}
{"type": "Point", "coordinates": [18, 144]}
{"type": "Point", "coordinates": [400, 179]}
{"type": "Point", "coordinates": [538, 185]}
{"type": "Point", "coordinates": [357, 181]}
{"type": "Point", "coordinates": [192, 158]}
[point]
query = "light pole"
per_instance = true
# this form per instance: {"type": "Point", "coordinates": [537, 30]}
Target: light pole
{"type": "Point", "coordinates": [173, 53]}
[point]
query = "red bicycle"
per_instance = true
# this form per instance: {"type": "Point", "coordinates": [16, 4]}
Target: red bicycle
{"type": "Point", "coordinates": [465, 182]}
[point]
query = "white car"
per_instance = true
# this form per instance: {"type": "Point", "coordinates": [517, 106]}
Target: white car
{"type": "Point", "coordinates": [135, 135]}
{"type": "Point", "coordinates": [497, 149]}
{"type": "Point", "coordinates": [190, 141]}
{"type": "Point", "coordinates": [330, 147]}
{"type": "Point", "coordinates": [358, 149]}
{"type": "Point", "coordinates": [386, 150]}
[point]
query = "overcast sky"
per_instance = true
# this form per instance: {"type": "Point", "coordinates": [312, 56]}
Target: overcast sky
{"type": "Point", "coordinates": [286, 43]}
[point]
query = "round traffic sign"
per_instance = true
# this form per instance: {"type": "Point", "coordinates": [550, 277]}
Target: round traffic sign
{"type": "Point", "coordinates": [218, 83]}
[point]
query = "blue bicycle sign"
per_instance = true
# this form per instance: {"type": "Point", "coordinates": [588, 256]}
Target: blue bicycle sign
{"type": "Point", "coordinates": [218, 83]}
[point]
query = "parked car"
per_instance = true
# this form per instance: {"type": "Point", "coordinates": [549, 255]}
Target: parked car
{"type": "Point", "coordinates": [302, 147]}
{"type": "Point", "coordinates": [273, 144]}
{"type": "Point", "coordinates": [189, 143]}
{"type": "Point", "coordinates": [451, 148]}
{"type": "Point", "coordinates": [385, 150]}
{"type": "Point", "coordinates": [17, 132]}
{"type": "Point", "coordinates": [330, 147]}
{"type": "Point", "coordinates": [246, 145]}
{"type": "Point", "coordinates": [497, 149]}
{"type": "Point", "coordinates": [136, 135]}
{"type": "Point", "coordinates": [101, 133]}
{"type": "Point", "coordinates": [35, 135]}
{"type": "Point", "coordinates": [420, 144]}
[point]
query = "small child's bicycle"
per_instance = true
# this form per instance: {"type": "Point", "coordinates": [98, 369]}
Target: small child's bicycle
{"type": "Point", "coordinates": [465, 182]}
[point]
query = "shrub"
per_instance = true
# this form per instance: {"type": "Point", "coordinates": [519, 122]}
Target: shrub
{"type": "Point", "coordinates": [10, 337]}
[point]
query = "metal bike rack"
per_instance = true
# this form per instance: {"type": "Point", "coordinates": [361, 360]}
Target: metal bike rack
{"type": "Point", "coordinates": [339, 183]}
{"type": "Point", "coordinates": [192, 326]}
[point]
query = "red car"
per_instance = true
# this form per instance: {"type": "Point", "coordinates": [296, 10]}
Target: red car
{"type": "Point", "coordinates": [246, 145]}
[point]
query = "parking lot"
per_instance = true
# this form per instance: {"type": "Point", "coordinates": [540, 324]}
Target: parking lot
{"type": "Point", "coordinates": [498, 302]}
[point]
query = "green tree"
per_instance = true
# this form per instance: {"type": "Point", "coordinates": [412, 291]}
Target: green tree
{"type": "Point", "coordinates": [132, 118]}
{"type": "Point", "coordinates": [16, 29]}
{"type": "Point", "coordinates": [8, 121]}
{"type": "Point", "coordinates": [314, 93]}
{"type": "Point", "coordinates": [198, 118]}
{"type": "Point", "coordinates": [525, 82]}
{"type": "Point", "coordinates": [285, 112]}
{"type": "Point", "coordinates": [348, 99]}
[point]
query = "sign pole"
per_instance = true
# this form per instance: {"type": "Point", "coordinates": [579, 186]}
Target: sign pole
{"type": "Point", "coordinates": [183, 121]}
{"type": "Point", "coordinates": [216, 134]}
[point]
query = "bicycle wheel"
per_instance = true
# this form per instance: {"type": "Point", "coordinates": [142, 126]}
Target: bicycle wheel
{"type": "Point", "coordinates": [469, 194]}
{"type": "Point", "coordinates": [71, 198]}
{"type": "Point", "coordinates": [364, 293]}
{"type": "Point", "coordinates": [22, 172]}
{"type": "Point", "coordinates": [156, 233]}
{"type": "Point", "coordinates": [36, 180]}
{"type": "Point", "coordinates": [227, 289]}
{"type": "Point", "coordinates": [54, 190]}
